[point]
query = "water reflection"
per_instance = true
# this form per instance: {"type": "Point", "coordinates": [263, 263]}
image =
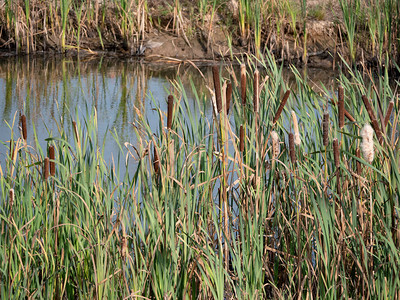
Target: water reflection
{"type": "Point", "coordinates": [50, 91]}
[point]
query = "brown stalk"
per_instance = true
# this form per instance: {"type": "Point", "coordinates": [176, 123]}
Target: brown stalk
{"type": "Point", "coordinates": [291, 148]}
{"type": "Point", "coordinates": [256, 90]}
{"type": "Point", "coordinates": [358, 164]}
{"type": "Point", "coordinates": [241, 145]}
{"type": "Point", "coordinates": [52, 163]}
{"type": "Point", "coordinates": [243, 83]}
{"type": "Point", "coordinates": [325, 129]}
{"type": "Point", "coordinates": [341, 107]}
{"type": "Point", "coordinates": [22, 119]}
{"type": "Point", "coordinates": [217, 87]}
{"type": "Point", "coordinates": [228, 96]}
{"type": "Point", "coordinates": [388, 113]}
{"type": "Point", "coordinates": [374, 122]}
{"type": "Point", "coordinates": [156, 162]}
{"type": "Point", "coordinates": [170, 111]}
{"type": "Point", "coordinates": [337, 164]}
{"type": "Point", "coordinates": [46, 168]}
{"type": "Point", "coordinates": [281, 106]}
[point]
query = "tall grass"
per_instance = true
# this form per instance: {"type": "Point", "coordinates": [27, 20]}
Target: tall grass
{"type": "Point", "coordinates": [214, 209]}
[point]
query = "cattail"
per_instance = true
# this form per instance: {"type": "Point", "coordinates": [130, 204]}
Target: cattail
{"type": "Point", "coordinates": [325, 128]}
{"type": "Point", "coordinates": [228, 96]}
{"type": "Point", "coordinates": [275, 144]}
{"type": "Point", "coordinates": [52, 163]}
{"type": "Point", "coordinates": [22, 119]}
{"type": "Point", "coordinates": [367, 144]}
{"type": "Point", "coordinates": [358, 164]}
{"type": "Point", "coordinates": [297, 140]}
{"type": "Point", "coordinates": [371, 114]}
{"type": "Point", "coordinates": [243, 82]}
{"type": "Point", "coordinates": [124, 247]}
{"type": "Point", "coordinates": [388, 113]}
{"type": "Point", "coordinates": [341, 106]}
{"type": "Point", "coordinates": [291, 148]}
{"type": "Point", "coordinates": [170, 111]}
{"type": "Point", "coordinates": [156, 162]}
{"type": "Point", "coordinates": [256, 90]}
{"type": "Point", "coordinates": [76, 133]}
{"type": "Point", "coordinates": [281, 106]}
{"type": "Point", "coordinates": [336, 152]}
{"type": "Point", "coordinates": [12, 145]}
{"type": "Point", "coordinates": [11, 200]}
{"type": "Point", "coordinates": [217, 87]}
{"type": "Point", "coordinates": [46, 168]}
{"type": "Point", "coordinates": [241, 145]}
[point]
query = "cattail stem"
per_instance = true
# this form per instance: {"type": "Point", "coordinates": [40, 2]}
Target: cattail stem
{"type": "Point", "coordinates": [52, 163]}
{"type": "Point", "coordinates": [256, 90]}
{"type": "Point", "coordinates": [281, 106]}
{"type": "Point", "coordinates": [325, 129]}
{"type": "Point", "coordinates": [217, 87]}
{"type": "Point", "coordinates": [228, 96]}
{"type": "Point", "coordinates": [388, 113]}
{"type": "Point", "coordinates": [46, 168]}
{"type": "Point", "coordinates": [170, 111]}
{"type": "Point", "coordinates": [341, 107]}
{"type": "Point", "coordinates": [291, 148]}
{"type": "Point", "coordinates": [241, 143]}
{"type": "Point", "coordinates": [374, 122]}
{"type": "Point", "coordinates": [23, 126]}
{"type": "Point", "coordinates": [243, 83]}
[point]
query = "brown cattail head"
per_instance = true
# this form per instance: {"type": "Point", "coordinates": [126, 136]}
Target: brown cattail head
{"type": "Point", "coordinates": [388, 113]}
{"type": "Point", "coordinates": [275, 144]}
{"type": "Point", "coordinates": [256, 90]}
{"type": "Point", "coordinates": [374, 122]}
{"type": "Point", "coordinates": [22, 119]}
{"type": "Point", "coordinates": [241, 141]}
{"type": "Point", "coordinates": [325, 128]}
{"type": "Point", "coordinates": [46, 168]}
{"type": "Point", "coordinates": [52, 163]}
{"type": "Point", "coordinates": [291, 148]}
{"type": "Point", "coordinates": [243, 83]}
{"type": "Point", "coordinates": [297, 140]}
{"type": "Point", "coordinates": [228, 96]}
{"type": "Point", "coordinates": [367, 144]}
{"type": "Point", "coordinates": [341, 106]}
{"type": "Point", "coordinates": [156, 161]}
{"type": "Point", "coordinates": [217, 87]}
{"type": "Point", "coordinates": [76, 133]}
{"type": "Point", "coordinates": [281, 106]}
{"type": "Point", "coordinates": [12, 145]}
{"type": "Point", "coordinates": [170, 111]}
{"type": "Point", "coordinates": [11, 198]}
{"type": "Point", "coordinates": [336, 152]}
{"type": "Point", "coordinates": [358, 164]}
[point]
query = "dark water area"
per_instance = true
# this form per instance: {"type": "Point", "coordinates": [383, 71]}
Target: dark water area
{"type": "Point", "coordinates": [52, 91]}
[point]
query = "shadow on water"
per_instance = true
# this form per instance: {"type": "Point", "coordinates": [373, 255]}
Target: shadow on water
{"type": "Point", "coordinates": [53, 91]}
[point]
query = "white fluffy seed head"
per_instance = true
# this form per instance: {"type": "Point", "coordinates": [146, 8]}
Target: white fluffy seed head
{"type": "Point", "coordinates": [297, 139]}
{"type": "Point", "coordinates": [275, 144]}
{"type": "Point", "coordinates": [367, 144]}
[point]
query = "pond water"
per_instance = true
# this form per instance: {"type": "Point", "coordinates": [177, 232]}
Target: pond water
{"type": "Point", "coordinates": [54, 90]}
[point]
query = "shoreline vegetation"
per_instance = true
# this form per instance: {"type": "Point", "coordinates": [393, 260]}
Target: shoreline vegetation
{"type": "Point", "coordinates": [316, 32]}
{"type": "Point", "coordinates": [275, 196]}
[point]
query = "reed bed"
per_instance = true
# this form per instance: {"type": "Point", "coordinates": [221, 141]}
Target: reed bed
{"type": "Point", "coordinates": [272, 200]}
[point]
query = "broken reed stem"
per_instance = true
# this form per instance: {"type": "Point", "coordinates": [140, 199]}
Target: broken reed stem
{"type": "Point", "coordinates": [374, 122]}
{"type": "Point", "coordinates": [337, 164]}
{"type": "Point", "coordinates": [217, 87]}
{"type": "Point", "coordinates": [228, 96]}
{"type": "Point", "coordinates": [281, 106]}
{"type": "Point", "coordinates": [241, 141]}
{"type": "Point", "coordinates": [325, 129]}
{"type": "Point", "coordinates": [22, 119]}
{"type": "Point", "coordinates": [46, 168]}
{"type": "Point", "coordinates": [170, 111]}
{"type": "Point", "coordinates": [52, 163]}
{"type": "Point", "coordinates": [341, 107]}
{"type": "Point", "coordinates": [358, 164]}
{"type": "Point", "coordinates": [291, 148]}
{"type": "Point", "coordinates": [388, 114]}
{"type": "Point", "coordinates": [256, 90]}
{"type": "Point", "coordinates": [156, 161]}
{"type": "Point", "coordinates": [243, 83]}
